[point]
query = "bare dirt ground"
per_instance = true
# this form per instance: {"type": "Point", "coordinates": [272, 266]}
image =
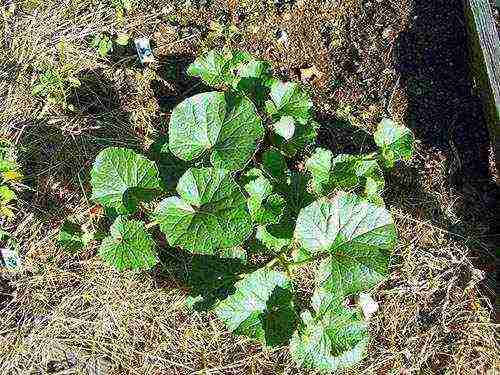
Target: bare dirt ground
{"type": "Point", "coordinates": [361, 60]}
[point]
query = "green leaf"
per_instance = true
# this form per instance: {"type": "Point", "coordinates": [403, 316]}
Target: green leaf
{"type": "Point", "coordinates": [347, 226]}
{"type": "Point", "coordinates": [121, 179]}
{"type": "Point", "coordinates": [374, 180]}
{"type": "Point", "coordinates": [122, 39]}
{"type": "Point", "coordinates": [276, 237]}
{"type": "Point", "coordinates": [335, 341]}
{"type": "Point", "coordinates": [217, 68]}
{"type": "Point", "coordinates": [210, 214]}
{"type": "Point", "coordinates": [345, 172]}
{"type": "Point", "coordinates": [254, 69]}
{"type": "Point", "coordinates": [289, 99]}
{"type": "Point", "coordinates": [7, 212]}
{"type": "Point", "coordinates": [264, 206]}
{"type": "Point", "coordinates": [339, 277]}
{"type": "Point", "coordinates": [274, 164]}
{"type": "Point", "coordinates": [261, 308]}
{"type": "Point", "coordinates": [7, 195]}
{"type": "Point", "coordinates": [304, 135]}
{"type": "Point", "coordinates": [127, 5]}
{"type": "Point", "coordinates": [225, 126]}
{"type": "Point", "coordinates": [72, 237]}
{"type": "Point", "coordinates": [256, 184]}
{"type": "Point", "coordinates": [129, 246]}
{"type": "Point", "coordinates": [268, 211]}
{"type": "Point", "coordinates": [103, 43]}
{"type": "Point", "coordinates": [7, 165]}
{"type": "Point", "coordinates": [395, 142]}
{"type": "Point", "coordinates": [252, 78]}
{"type": "Point", "coordinates": [319, 165]}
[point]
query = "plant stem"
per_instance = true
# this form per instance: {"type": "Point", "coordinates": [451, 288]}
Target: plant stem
{"type": "Point", "coordinates": [305, 261]}
{"type": "Point", "coordinates": [371, 156]}
{"type": "Point", "coordinates": [285, 265]}
{"type": "Point", "coordinates": [272, 262]}
{"type": "Point", "coordinates": [276, 259]}
{"type": "Point", "coordinates": [151, 224]}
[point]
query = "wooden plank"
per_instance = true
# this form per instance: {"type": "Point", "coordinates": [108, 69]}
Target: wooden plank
{"type": "Point", "coordinates": [485, 53]}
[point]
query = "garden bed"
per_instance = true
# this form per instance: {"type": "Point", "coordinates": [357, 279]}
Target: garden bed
{"type": "Point", "coordinates": [361, 61]}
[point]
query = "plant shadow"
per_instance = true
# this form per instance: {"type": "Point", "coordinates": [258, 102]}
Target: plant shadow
{"type": "Point", "coordinates": [341, 137]}
{"type": "Point", "coordinates": [57, 155]}
{"type": "Point", "coordinates": [207, 279]}
{"type": "Point", "coordinates": [280, 319]}
{"type": "Point", "coordinates": [95, 95]}
{"type": "Point", "coordinates": [175, 84]}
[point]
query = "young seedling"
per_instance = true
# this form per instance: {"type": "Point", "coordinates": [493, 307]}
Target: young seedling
{"type": "Point", "coordinates": [10, 174]}
{"type": "Point", "coordinates": [103, 43]}
{"type": "Point", "coordinates": [55, 85]}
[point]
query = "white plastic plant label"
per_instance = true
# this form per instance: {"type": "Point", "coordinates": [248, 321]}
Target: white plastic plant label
{"type": "Point", "coordinates": [144, 51]}
{"type": "Point", "coordinates": [10, 259]}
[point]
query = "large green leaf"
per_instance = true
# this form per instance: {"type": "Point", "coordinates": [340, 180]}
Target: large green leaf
{"type": "Point", "coordinates": [347, 226]}
{"type": "Point", "coordinates": [304, 135]}
{"type": "Point", "coordinates": [264, 206]}
{"type": "Point", "coordinates": [210, 214]}
{"type": "Point", "coordinates": [289, 99]}
{"type": "Point", "coordinates": [129, 246]}
{"type": "Point", "coordinates": [345, 172]}
{"type": "Point", "coordinates": [276, 237]}
{"type": "Point", "coordinates": [121, 178]}
{"type": "Point", "coordinates": [223, 125]}
{"type": "Point", "coordinates": [217, 68]}
{"type": "Point", "coordinates": [358, 235]}
{"type": "Point", "coordinates": [395, 141]}
{"type": "Point", "coordinates": [333, 341]}
{"type": "Point", "coordinates": [339, 277]}
{"type": "Point", "coordinates": [211, 279]}
{"type": "Point", "coordinates": [261, 308]}
{"type": "Point", "coordinates": [274, 164]}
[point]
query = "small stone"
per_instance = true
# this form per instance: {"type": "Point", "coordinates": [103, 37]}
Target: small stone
{"type": "Point", "coordinates": [282, 37]}
{"type": "Point", "coordinates": [368, 305]}
{"type": "Point", "coordinates": [309, 73]}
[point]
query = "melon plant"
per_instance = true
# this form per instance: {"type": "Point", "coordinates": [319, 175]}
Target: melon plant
{"type": "Point", "coordinates": [240, 194]}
